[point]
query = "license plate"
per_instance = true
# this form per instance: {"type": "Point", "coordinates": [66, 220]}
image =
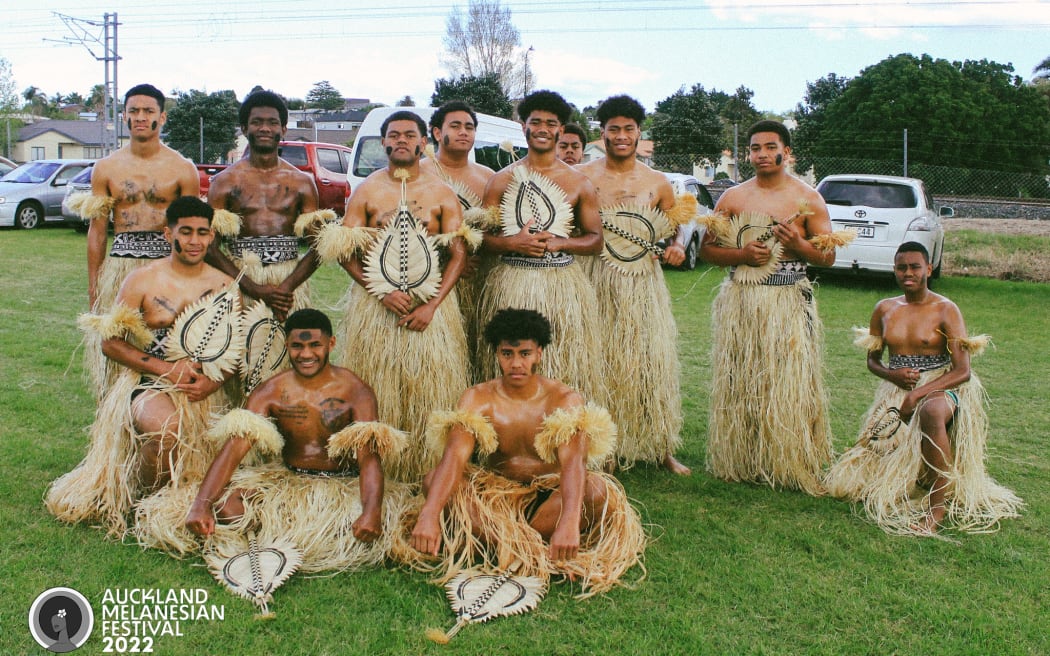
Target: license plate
{"type": "Point", "coordinates": [866, 231]}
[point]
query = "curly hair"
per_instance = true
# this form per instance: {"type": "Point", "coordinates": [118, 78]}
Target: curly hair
{"type": "Point", "coordinates": [187, 206]}
{"type": "Point", "coordinates": [308, 319]}
{"type": "Point", "coordinates": [262, 99]}
{"type": "Point", "coordinates": [770, 126]}
{"type": "Point", "coordinates": [515, 325]}
{"type": "Point", "coordinates": [624, 106]}
{"type": "Point", "coordinates": [545, 100]}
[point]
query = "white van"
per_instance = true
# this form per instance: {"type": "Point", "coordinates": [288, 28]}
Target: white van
{"type": "Point", "coordinates": [368, 155]}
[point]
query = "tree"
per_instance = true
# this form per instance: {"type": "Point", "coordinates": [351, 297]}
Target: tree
{"type": "Point", "coordinates": [485, 43]}
{"type": "Point", "coordinates": [219, 110]}
{"type": "Point", "coordinates": [8, 105]}
{"type": "Point", "coordinates": [96, 99]}
{"type": "Point", "coordinates": [1042, 69]}
{"type": "Point", "coordinates": [735, 110]}
{"type": "Point", "coordinates": [484, 93]}
{"type": "Point", "coordinates": [687, 129]}
{"type": "Point", "coordinates": [810, 117]}
{"type": "Point", "coordinates": [406, 102]}
{"type": "Point", "coordinates": [972, 116]}
{"type": "Point", "coordinates": [324, 96]}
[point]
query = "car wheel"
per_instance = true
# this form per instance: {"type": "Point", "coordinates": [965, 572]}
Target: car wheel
{"type": "Point", "coordinates": [28, 215]}
{"type": "Point", "coordinates": [691, 253]}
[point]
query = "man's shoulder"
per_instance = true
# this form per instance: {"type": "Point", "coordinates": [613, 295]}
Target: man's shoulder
{"type": "Point", "coordinates": [558, 395]}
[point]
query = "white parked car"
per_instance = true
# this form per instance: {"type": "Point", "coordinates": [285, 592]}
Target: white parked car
{"type": "Point", "coordinates": [886, 211]}
{"type": "Point", "coordinates": [33, 192]}
{"type": "Point", "coordinates": [693, 232]}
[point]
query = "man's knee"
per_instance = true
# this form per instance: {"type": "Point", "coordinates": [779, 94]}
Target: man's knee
{"type": "Point", "coordinates": [595, 494]}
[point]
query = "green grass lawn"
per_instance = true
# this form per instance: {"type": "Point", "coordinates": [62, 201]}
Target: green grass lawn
{"type": "Point", "coordinates": [732, 569]}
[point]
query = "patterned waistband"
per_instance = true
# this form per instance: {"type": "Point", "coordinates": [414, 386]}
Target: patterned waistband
{"type": "Point", "coordinates": [920, 362]}
{"type": "Point", "coordinates": [146, 244]}
{"type": "Point", "coordinates": [788, 272]}
{"type": "Point", "coordinates": [548, 261]}
{"type": "Point", "coordinates": [271, 250]}
{"type": "Point", "coordinates": [325, 473]}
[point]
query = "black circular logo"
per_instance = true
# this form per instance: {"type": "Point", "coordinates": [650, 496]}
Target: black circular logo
{"type": "Point", "coordinates": [61, 620]}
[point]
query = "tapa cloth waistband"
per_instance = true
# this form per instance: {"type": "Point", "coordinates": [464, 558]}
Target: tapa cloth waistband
{"type": "Point", "coordinates": [145, 244]}
{"type": "Point", "coordinates": [271, 250]}
{"type": "Point", "coordinates": [548, 261]}
{"type": "Point", "coordinates": [788, 272]}
{"type": "Point", "coordinates": [920, 362]}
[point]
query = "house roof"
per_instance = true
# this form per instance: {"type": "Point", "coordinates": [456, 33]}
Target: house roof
{"type": "Point", "coordinates": [326, 136]}
{"type": "Point", "coordinates": [88, 133]}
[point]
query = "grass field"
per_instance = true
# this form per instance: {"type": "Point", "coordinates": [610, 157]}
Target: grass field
{"type": "Point", "coordinates": [732, 569]}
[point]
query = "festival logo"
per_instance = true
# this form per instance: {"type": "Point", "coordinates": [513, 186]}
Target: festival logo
{"type": "Point", "coordinates": [61, 620]}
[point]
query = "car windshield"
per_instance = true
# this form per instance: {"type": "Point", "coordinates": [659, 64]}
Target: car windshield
{"type": "Point", "coordinates": [370, 157]}
{"type": "Point", "coordinates": [32, 172]}
{"type": "Point", "coordinates": [869, 194]}
{"type": "Point", "coordinates": [294, 155]}
{"type": "Point", "coordinates": [494, 156]}
{"type": "Point", "coordinates": [84, 177]}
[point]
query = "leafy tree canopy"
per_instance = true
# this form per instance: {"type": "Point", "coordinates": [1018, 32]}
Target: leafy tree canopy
{"type": "Point", "coordinates": [183, 129]}
{"type": "Point", "coordinates": [483, 92]}
{"type": "Point", "coordinates": [324, 96]}
{"type": "Point", "coordinates": [686, 128]}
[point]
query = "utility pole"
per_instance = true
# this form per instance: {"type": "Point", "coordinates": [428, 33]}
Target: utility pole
{"type": "Point", "coordinates": [107, 39]}
{"type": "Point", "coordinates": [905, 152]}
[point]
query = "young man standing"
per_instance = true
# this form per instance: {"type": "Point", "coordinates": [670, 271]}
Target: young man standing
{"type": "Point", "coordinates": [149, 426]}
{"type": "Point", "coordinates": [549, 214]}
{"type": "Point", "coordinates": [930, 471]}
{"type": "Point", "coordinates": [635, 306]}
{"type": "Point", "coordinates": [534, 438]}
{"type": "Point", "coordinates": [571, 143]}
{"type": "Point", "coordinates": [134, 185]}
{"type": "Point", "coordinates": [403, 333]}
{"type": "Point", "coordinates": [769, 412]}
{"type": "Point", "coordinates": [266, 196]}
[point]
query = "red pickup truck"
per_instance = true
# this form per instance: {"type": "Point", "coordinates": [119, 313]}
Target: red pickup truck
{"type": "Point", "coordinates": [327, 163]}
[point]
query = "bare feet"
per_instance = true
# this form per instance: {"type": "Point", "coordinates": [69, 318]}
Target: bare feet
{"type": "Point", "coordinates": [675, 467]}
{"type": "Point", "coordinates": [930, 522]}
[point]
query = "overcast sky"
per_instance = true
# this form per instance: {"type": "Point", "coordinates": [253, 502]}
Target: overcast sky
{"type": "Point", "coordinates": [586, 49]}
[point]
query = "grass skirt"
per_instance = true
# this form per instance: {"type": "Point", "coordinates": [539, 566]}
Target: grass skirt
{"type": "Point", "coordinates": [104, 486]}
{"type": "Point", "coordinates": [273, 274]}
{"type": "Point", "coordinates": [613, 544]}
{"type": "Point", "coordinates": [886, 482]}
{"type": "Point", "coordinates": [642, 364]}
{"type": "Point", "coordinates": [101, 370]}
{"type": "Point", "coordinates": [315, 513]}
{"type": "Point", "coordinates": [768, 420]}
{"type": "Point", "coordinates": [411, 373]}
{"type": "Point", "coordinates": [575, 355]}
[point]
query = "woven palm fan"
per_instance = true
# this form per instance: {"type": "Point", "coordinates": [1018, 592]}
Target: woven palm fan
{"type": "Point", "coordinates": [208, 331]}
{"type": "Point", "coordinates": [747, 227]}
{"type": "Point", "coordinates": [404, 257]}
{"type": "Point", "coordinates": [264, 350]}
{"type": "Point", "coordinates": [254, 574]}
{"type": "Point", "coordinates": [631, 232]}
{"type": "Point", "coordinates": [531, 196]}
{"type": "Point", "coordinates": [478, 597]}
{"type": "Point", "coordinates": [880, 433]}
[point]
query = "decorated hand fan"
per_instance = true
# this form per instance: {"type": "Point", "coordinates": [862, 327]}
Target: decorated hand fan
{"type": "Point", "coordinates": [257, 572]}
{"type": "Point", "coordinates": [745, 228]}
{"type": "Point", "coordinates": [631, 233]}
{"type": "Point", "coordinates": [880, 433]}
{"type": "Point", "coordinates": [264, 351]}
{"type": "Point", "coordinates": [209, 332]}
{"type": "Point", "coordinates": [478, 597]}
{"type": "Point", "coordinates": [404, 257]}
{"type": "Point", "coordinates": [532, 196]}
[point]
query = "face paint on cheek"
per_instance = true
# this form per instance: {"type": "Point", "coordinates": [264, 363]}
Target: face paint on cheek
{"type": "Point", "coordinates": [129, 124]}
{"type": "Point", "coordinates": [779, 160]}
{"type": "Point", "coordinates": [176, 245]}
{"type": "Point", "coordinates": [445, 140]}
{"type": "Point", "coordinates": [389, 149]}
{"type": "Point", "coordinates": [528, 134]}
{"type": "Point", "coordinates": [153, 125]}
{"type": "Point", "coordinates": [418, 151]}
